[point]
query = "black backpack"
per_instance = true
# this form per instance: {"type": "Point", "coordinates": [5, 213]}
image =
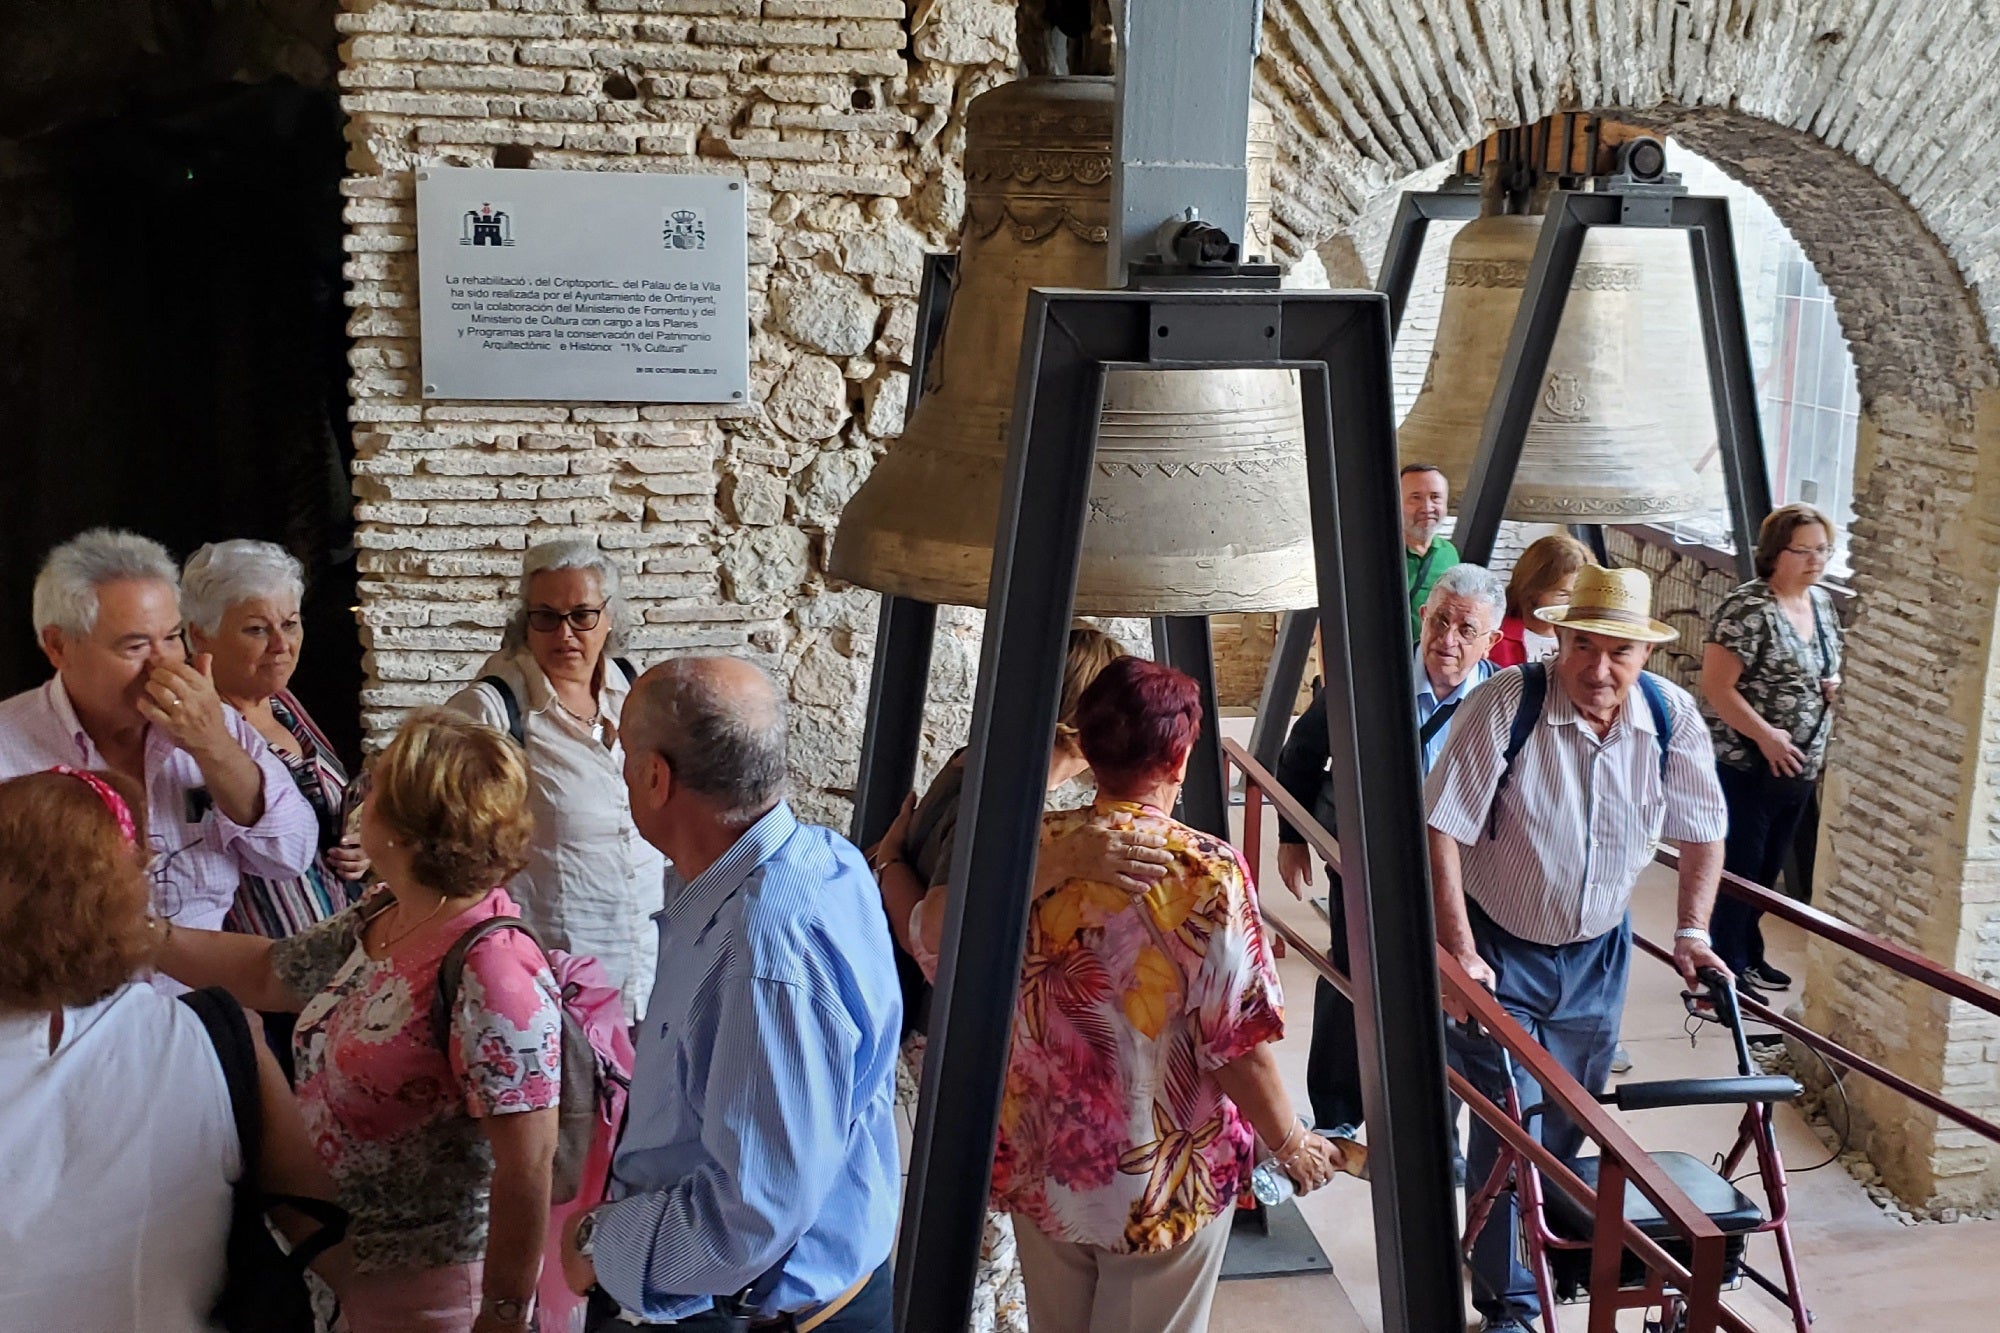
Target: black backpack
{"type": "Point", "coordinates": [517, 728]}
{"type": "Point", "coordinates": [1535, 693]}
{"type": "Point", "coordinates": [265, 1291]}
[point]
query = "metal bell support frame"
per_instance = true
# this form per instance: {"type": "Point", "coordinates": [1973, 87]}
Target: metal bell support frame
{"type": "Point", "coordinates": [1338, 344]}
{"type": "Point", "coordinates": [1725, 342]}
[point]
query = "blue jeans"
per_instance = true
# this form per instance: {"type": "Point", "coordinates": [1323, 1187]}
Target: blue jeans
{"type": "Point", "coordinates": [1570, 998]}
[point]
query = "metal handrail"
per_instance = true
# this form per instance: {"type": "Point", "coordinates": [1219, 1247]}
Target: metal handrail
{"type": "Point", "coordinates": [1622, 1157]}
{"type": "Point", "coordinates": [1895, 957]}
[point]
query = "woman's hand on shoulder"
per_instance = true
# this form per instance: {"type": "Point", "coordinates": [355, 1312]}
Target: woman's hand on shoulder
{"type": "Point", "coordinates": [1133, 859]}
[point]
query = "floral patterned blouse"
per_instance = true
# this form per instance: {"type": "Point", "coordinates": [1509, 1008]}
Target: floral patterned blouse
{"type": "Point", "coordinates": [1113, 1132]}
{"type": "Point", "coordinates": [394, 1118]}
{"type": "Point", "coordinates": [1781, 672]}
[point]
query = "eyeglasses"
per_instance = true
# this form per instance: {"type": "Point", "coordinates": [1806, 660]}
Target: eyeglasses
{"type": "Point", "coordinates": [1811, 552]}
{"type": "Point", "coordinates": [579, 617]}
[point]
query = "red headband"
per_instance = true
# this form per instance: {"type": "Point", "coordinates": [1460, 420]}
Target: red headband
{"type": "Point", "coordinates": [112, 800]}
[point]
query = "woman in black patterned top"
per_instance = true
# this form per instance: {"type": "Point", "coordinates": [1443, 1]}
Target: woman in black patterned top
{"type": "Point", "coordinates": [1769, 674]}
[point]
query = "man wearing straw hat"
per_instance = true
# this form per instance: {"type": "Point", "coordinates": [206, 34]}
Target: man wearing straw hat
{"type": "Point", "coordinates": [1553, 788]}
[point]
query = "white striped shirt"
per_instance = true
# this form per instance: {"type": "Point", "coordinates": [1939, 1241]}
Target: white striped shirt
{"type": "Point", "coordinates": [1580, 814]}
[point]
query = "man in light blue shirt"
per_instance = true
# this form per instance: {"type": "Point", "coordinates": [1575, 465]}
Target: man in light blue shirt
{"type": "Point", "coordinates": [758, 1171]}
{"type": "Point", "coordinates": [1461, 623]}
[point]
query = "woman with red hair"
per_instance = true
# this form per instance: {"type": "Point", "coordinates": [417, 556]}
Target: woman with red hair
{"type": "Point", "coordinates": [1141, 1063]}
{"type": "Point", "coordinates": [119, 1152]}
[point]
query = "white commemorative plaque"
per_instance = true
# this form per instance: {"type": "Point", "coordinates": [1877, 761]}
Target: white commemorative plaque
{"type": "Point", "coordinates": [583, 285]}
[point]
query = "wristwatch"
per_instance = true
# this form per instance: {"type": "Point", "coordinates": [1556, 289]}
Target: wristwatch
{"type": "Point", "coordinates": [507, 1311]}
{"type": "Point", "coordinates": [586, 1234]}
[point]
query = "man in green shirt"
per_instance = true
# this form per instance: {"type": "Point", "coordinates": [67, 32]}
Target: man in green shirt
{"type": "Point", "coordinates": [1426, 556]}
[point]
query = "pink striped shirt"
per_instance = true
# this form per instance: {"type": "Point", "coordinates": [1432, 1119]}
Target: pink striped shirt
{"type": "Point", "coordinates": [199, 861]}
{"type": "Point", "coordinates": [1580, 814]}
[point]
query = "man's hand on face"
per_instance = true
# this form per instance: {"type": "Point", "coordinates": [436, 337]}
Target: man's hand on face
{"type": "Point", "coordinates": [181, 701]}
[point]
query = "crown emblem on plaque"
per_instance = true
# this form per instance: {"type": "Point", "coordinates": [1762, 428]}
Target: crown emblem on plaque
{"type": "Point", "coordinates": [485, 225]}
{"type": "Point", "coordinates": [684, 231]}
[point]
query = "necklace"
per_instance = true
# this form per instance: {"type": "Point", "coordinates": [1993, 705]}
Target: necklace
{"type": "Point", "coordinates": [591, 721]}
{"type": "Point", "coordinates": [398, 938]}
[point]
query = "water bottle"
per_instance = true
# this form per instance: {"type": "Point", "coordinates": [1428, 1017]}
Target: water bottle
{"type": "Point", "coordinates": [1270, 1183]}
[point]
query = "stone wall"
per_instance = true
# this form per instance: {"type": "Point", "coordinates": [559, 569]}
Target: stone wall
{"type": "Point", "coordinates": [848, 128]}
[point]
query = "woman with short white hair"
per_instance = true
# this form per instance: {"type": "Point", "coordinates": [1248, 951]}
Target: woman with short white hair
{"type": "Point", "coordinates": [592, 883]}
{"type": "Point", "coordinates": [240, 603]}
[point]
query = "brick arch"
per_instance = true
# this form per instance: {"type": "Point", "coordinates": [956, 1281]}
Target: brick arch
{"type": "Point", "coordinates": [1866, 144]}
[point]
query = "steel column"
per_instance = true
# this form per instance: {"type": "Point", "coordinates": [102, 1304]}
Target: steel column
{"type": "Point", "coordinates": [1283, 675]}
{"type": "Point", "coordinates": [1185, 643]}
{"type": "Point", "coordinates": [1414, 214]}
{"type": "Point", "coordinates": [1732, 385]}
{"type": "Point", "coordinates": [1339, 344]}
{"type": "Point", "coordinates": [897, 686]}
{"type": "Point", "coordinates": [1181, 125]}
{"type": "Point", "coordinates": [1370, 695]}
{"type": "Point", "coordinates": [1037, 551]}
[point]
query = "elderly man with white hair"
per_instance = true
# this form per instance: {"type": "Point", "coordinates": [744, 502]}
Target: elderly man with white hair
{"type": "Point", "coordinates": [592, 883]}
{"type": "Point", "coordinates": [1460, 625]}
{"type": "Point", "coordinates": [125, 697]}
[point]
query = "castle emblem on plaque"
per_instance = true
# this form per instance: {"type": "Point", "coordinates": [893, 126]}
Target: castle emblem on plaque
{"type": "Point", "coordinates": [485, 225]}
{"type": "Point", "coordinates": [684, 231]}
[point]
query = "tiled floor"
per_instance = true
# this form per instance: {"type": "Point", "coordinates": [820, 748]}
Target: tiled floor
{"type": "Point", "coordinates": [1861, 1271]}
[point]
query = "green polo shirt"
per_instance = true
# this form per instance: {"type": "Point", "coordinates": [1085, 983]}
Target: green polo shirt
{"type": "Point", "coordinates": [1421, 573]}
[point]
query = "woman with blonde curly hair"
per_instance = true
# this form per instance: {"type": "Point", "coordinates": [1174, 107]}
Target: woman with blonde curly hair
{"type": "Point", "coordinates": [441, 1142]}
{"type": "Point", "coordinates": [118, 1144]}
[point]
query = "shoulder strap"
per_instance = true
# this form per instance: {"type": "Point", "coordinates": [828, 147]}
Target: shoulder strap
{"type": "Point", "coordinates": [624, 664]}
{"type": "Point", "coordinates": [1436, 722]}
{"type": "Point", "coordinates": [235, 1046]}
{"type": "Point", "coordinates": [515, 727]}
{"type": "Point", "coordinates": [452, 970]}
{"type": "Point", "coordinates": [1663, 715]}
{"type": "Point", "coordinates": [1534, 693]}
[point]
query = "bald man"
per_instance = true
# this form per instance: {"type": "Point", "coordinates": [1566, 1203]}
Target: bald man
{"type": "Point", "coordinates": [757, 1175]}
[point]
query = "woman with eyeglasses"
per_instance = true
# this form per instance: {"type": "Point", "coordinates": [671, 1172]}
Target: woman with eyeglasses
{"type": "Point", "coordinates": [592, 883]}
{"type": "Point", "coordinates": [1769, 674]}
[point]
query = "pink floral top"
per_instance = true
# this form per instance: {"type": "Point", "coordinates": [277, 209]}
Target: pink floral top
{"type": "Point", "coordinates": [394, 1117]}
{"type": "Point", "coordinates": [1113, 1131]}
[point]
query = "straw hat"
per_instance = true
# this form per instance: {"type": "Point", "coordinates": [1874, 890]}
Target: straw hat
{"type": "Point", "coordinates": [1617, 603]}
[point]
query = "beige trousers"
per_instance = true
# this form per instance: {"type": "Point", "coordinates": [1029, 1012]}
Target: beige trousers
{"type": "Point", "coordinates": [1083, 1289]}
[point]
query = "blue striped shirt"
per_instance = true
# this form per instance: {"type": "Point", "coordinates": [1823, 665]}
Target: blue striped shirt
{"type": "Point", "coordinates": [761, 1123]}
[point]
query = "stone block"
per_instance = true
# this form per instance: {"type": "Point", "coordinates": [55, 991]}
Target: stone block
{"type": "Point", "coordinates": [764, 563]}
{"type": "Point", "coordinates": [827, 484]}
{"type": "Point", "coordinates": [809, 402]}
{"type": "Point", "coordinates": [754, 498]}
{"type": "Point", "coordinates": [825, 311]}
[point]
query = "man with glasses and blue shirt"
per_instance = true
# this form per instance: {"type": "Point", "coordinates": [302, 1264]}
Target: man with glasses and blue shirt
{"type": "Point", "coordinates": [219, 802]}
{"type": "Point", "coordinates": [1461, 623]}
{"type": "Point", "coordinates": [757, 1180]}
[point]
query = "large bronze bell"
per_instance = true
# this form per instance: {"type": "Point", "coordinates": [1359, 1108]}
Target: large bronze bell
{"type": "Point", "coordinates": [1199, 502]}
{"type": "Point", "coordinates": [1599, 449]}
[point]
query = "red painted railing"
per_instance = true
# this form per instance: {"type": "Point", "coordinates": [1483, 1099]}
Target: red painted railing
{"type": "Point", "coordinates": [1622, 1158]}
